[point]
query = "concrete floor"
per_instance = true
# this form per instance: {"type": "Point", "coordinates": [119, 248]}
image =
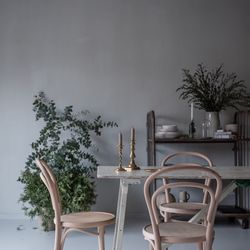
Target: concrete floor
{"type": "Point", "coordinates": [24, 235]}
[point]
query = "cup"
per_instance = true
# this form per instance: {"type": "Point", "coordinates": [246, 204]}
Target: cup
{"type": "Point", "coordinates": [184, 196]}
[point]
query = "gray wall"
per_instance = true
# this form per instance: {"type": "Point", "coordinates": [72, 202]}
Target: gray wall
{"type": "Point", "coordinates": [118, 58]}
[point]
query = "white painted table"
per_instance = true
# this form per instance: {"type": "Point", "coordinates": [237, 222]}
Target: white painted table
{"type": "Point", "coordinates": [135, 177]}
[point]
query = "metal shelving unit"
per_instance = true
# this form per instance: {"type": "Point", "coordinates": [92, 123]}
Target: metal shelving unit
{"type": "Point", "coordinates": [240, 147]}
{"type": "Point", "coordinates": [242, 118]}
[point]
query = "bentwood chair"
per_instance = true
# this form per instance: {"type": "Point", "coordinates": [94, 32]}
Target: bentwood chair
{"type": "Point", "coordinates": [81, 221]}
{"type": "Point", "coordinates": [173, 232]}
{"type": "Point", "coordinates": [169, 207]}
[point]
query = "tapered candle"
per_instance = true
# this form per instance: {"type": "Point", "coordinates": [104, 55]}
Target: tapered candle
{"type": "Point", "coordinates": [192, 111]}
{"type": "Point", "coordinates": [132, 134]}
{"type": "Point", "coordinates": [120, 139]}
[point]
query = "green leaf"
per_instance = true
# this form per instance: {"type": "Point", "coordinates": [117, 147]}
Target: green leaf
{"type": "Point", "coordinates": [213, 90]}
{"type": "Point", "coordinates": [65, 143]}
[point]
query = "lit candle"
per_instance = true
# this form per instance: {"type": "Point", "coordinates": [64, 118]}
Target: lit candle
{"type": "Point", "coordinates": [132, 134]}
{"type": "Point", "coordinates": [192, 111]}
{"type": "Point", "coordinates": [120, 139]}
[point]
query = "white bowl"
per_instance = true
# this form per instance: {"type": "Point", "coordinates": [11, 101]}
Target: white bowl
{"type": "Point", "coordinates": [158, 128]}
{"type": "Point", "coordinates": [160, 134]}
{"type": "Point", "coordinates": [172, 135]}
{"type": "Point", "coordinates": [169, 128]}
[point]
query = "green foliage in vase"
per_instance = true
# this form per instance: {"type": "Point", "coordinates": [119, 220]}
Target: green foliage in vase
{"type": "Point", "coordinates": [66, 144]}
{"type": "Point", "coordinates": [214, 90]}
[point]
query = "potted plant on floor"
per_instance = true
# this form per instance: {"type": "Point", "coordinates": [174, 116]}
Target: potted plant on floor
{"type": "Point", "coordinates": [213, 91]}
{"type": "Point", "coordinates": [66, 144]}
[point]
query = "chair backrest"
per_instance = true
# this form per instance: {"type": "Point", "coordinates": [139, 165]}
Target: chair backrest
{"type": "Point", "coordinates": [50, 182]}
{"type": "Point", "coordinates": [214, 194]}
{"type": "Point", "coordinates": [196, 158]}
{"type": "Point", "coordinates": [183, 154]}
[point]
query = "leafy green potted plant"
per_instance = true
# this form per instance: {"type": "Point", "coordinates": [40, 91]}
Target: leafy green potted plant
{"type": "Point", "coordinates": [66, 144]}
{"type": "Point", "coordinates": [213, 91]}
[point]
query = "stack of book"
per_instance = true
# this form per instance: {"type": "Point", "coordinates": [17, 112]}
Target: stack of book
{"type": "Point", "coordinates": [221, 134]}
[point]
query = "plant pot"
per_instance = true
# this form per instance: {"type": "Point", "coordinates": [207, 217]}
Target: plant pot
{"type": "Point", "coordinates": [212, 123]}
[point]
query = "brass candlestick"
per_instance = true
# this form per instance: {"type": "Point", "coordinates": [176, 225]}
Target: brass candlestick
{"type": "Point", "coordinates": [132, 166]}
{"type": "Point", "coordinates": [120, 147]}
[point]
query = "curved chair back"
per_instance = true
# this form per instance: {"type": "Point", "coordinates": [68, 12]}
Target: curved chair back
{"type": "Point", "coordinates": [50, 182]}
{"type": "Point", "coordinates": [196, 158]}
{"type": "Point", "coordinates": [193, 170]}
{"type": "Point", "coordinates": [195, 155]}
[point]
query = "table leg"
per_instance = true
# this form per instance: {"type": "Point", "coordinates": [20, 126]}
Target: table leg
{"type": "Point", "coordinates": [225, 192]}
{"type": "Point", "coordinates": [121, 210]}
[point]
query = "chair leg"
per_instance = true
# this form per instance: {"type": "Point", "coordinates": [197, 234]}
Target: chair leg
{"type": "Point", "coordinates": [101, 232]}
{"type": "Point", "coordinates": [58, 237]}
{"type": "Point", "coordinates": [200, 246]}
{"type": "Point", "coordinates": [209, 245]}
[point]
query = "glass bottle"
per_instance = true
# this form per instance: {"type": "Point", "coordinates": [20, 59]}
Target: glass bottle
{"type": "Point", "coordinates": [191, 129]}
{"type": "Point", "coordinates": [204, 129]}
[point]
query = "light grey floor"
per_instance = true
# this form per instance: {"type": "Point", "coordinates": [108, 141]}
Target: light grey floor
{"type": "Point", "coordinates": [23, 235]}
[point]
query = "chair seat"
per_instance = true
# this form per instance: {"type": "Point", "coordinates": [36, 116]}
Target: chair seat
{"type": "Point", "coordinates": [177, 232]}
{"type": "Point", "coordinates": [87, 219]}
{"type": "Point", "coordinates": [182, 207]}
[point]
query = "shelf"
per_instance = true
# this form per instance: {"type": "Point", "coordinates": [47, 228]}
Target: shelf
{"type": "Point", "coordinates": [232, 211]}
{"type": "Point", "coordinates": [152, 141]}
{"type": "Point", "coordinates": [190, 140]}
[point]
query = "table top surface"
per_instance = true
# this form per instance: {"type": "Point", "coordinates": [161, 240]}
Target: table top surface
{"type": "Point", "coordinates": [226, 172]}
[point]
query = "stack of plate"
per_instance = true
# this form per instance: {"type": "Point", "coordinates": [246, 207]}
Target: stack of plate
{"type": "Point", "coordinates": [167, 131]}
